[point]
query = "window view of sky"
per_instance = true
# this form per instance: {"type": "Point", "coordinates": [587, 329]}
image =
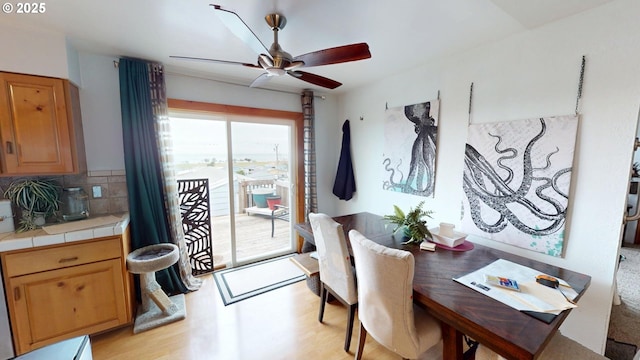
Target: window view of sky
{"type": "Point", "coordinates": [198, 139]}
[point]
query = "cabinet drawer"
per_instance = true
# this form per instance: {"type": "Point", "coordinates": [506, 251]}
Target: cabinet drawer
{"type": "Point", "coordinates": [32, 261]}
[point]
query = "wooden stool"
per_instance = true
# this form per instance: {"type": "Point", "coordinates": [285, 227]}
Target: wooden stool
{"type": "Point", "coordinates": [157, 308]}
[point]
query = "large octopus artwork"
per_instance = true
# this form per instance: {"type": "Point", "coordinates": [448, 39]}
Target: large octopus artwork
{"type": "Point", "coordinates": [421, 178]}
{"type": "Point", "coordinates": [486, 190]}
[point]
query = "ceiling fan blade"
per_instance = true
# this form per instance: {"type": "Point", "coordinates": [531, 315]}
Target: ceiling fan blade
{"type": "Point", "coordinates": [216, 61]}
{"type": "Point", "coordinates": [335, 55]}
{"type": "Point", "coordinates": [240, 29]}
{"type": "Point", "coordinates": [263, 78]}
{"type": "Point", "coordinates": [315, 79]}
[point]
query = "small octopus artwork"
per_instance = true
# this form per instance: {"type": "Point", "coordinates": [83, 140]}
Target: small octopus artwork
{"type": "Point", "coordinates": [516, 180]}
{"type": "Point", "coordinates": [409, 158]}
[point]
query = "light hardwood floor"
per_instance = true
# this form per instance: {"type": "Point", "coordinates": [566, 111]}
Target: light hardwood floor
{"type": "Point", "coordinates": [281, 324]}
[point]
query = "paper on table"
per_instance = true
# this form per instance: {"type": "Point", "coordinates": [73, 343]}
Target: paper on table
{"type": "Point", "coordinates": [540, 298]}
{"type": "Point", "coordinates": [532, 297]}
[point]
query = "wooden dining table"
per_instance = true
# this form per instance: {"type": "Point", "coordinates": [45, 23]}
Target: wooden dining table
{"type": "Point", "coordinates": [460, 309]}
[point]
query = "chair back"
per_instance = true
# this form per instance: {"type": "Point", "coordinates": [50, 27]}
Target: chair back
{"type": "Point", "coordinates": [333, 257]}
{"type": "Point", "coordinates": [385, 288]}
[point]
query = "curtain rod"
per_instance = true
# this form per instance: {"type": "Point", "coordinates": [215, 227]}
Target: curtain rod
{"type": "Point", "coordinates": [116, 63]}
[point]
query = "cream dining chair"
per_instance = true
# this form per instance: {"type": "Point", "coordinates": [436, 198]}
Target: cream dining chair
{"type": "Point", "coordinates": [336, 272]}
{"type": "Point", "coordinates": [385, 295]}
{"type": "Point", "coordinates": [559, 348]}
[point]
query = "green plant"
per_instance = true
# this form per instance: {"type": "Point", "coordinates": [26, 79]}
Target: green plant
{"type": "Point", "coordinates": [34, 196]}
{"type": "Point", "coordinates": [414, 224]}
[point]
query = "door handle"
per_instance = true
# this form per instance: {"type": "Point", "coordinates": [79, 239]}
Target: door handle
{"type": "Point", "coordinates": [9, 147]}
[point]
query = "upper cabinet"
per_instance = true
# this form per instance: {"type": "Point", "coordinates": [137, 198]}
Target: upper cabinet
{"type": "Point", "coordinates": [40, 126]}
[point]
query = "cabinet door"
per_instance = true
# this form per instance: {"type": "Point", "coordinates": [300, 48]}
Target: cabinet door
{"type": "Point", "coordinates": [34, 125]}
{"type": "Point", "coordinates": [54, 305]}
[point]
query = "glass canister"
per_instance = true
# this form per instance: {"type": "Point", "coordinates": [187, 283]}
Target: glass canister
{"type": "Point", "coordinates": [75, 204]}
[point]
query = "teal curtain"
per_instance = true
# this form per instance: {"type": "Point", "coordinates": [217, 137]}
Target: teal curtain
{"type": "Point", "coordinates": [147, 208]}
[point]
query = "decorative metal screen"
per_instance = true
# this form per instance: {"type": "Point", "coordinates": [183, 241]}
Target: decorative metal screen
{"type": "Point", "coordinates": [196, 223]}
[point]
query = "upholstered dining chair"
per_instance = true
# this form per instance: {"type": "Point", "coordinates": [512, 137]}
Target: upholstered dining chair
{"type": "Point", "coordinates": [560, 347]}
{"type": "Point", "coordinates": [336, 272]}
{"type": "Point", "coordinates": [385, 296]}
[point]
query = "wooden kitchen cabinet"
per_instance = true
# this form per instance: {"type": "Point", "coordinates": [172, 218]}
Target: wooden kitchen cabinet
{"type": "Point", "coordinates": [40, 126]}
{"type": "Point", "coordinates": [63, 291]}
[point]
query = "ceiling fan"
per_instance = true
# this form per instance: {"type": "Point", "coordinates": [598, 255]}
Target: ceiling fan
{"type": "Point", "coordinates": [275, 61]}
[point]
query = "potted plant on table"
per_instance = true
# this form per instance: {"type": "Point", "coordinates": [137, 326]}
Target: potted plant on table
{"type": "Point", "coordinates": [37, 198]}
{"type": "Point", "coordinates": [413, 223]}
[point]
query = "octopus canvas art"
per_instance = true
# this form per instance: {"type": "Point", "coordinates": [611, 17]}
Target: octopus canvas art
{"type": "Point", "coordinates": [516, 180]}
{"type": "Point", "coordinates": [409, 157]}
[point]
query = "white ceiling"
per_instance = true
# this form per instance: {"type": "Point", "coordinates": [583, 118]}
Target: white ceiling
{"type": "Point", "coordinates": [401, 34]}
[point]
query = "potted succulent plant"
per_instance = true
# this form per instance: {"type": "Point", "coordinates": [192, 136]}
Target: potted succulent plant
{"type": "Point", "coordinates": [37, 198]}
{"type": "Point", "coordinates": [413, 223]}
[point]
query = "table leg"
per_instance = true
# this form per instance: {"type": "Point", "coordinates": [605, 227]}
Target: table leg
{"type": "Point", "coordinates": [452, 343]}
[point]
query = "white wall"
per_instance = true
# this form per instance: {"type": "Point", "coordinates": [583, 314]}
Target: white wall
{"type": "Point", "coordinates": [32, 51]}
{"type": "Point", "coordinates": [327, 123]}
{"type": "Point", "coordinates": [101, 116]}
{"type": "Point", "coordinates": [533, 74]}
{"type": "Point", "coordinates": [73, 64]}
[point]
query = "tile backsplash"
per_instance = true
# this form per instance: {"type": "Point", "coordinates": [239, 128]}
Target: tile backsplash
{"type": "Point", "coordinates": [112, 183]}
{"type": "Point", "coordinates": [113, 186]}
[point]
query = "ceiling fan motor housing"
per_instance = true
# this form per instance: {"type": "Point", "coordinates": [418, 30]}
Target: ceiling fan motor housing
{"type": "Point", "coordinates": [282, 60]}
{"type": "Point", "coordinates": [276, 21]}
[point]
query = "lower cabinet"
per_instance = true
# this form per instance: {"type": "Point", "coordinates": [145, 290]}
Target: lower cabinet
{"type": "Point", "coordinates": [65, 291]}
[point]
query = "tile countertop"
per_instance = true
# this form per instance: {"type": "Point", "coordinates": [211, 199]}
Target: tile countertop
{"type": "Point", "coordinates": [35, 238]}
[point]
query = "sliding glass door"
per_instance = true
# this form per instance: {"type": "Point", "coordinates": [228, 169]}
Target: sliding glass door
{"type": "Point", "coordinates": [248, 163]}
